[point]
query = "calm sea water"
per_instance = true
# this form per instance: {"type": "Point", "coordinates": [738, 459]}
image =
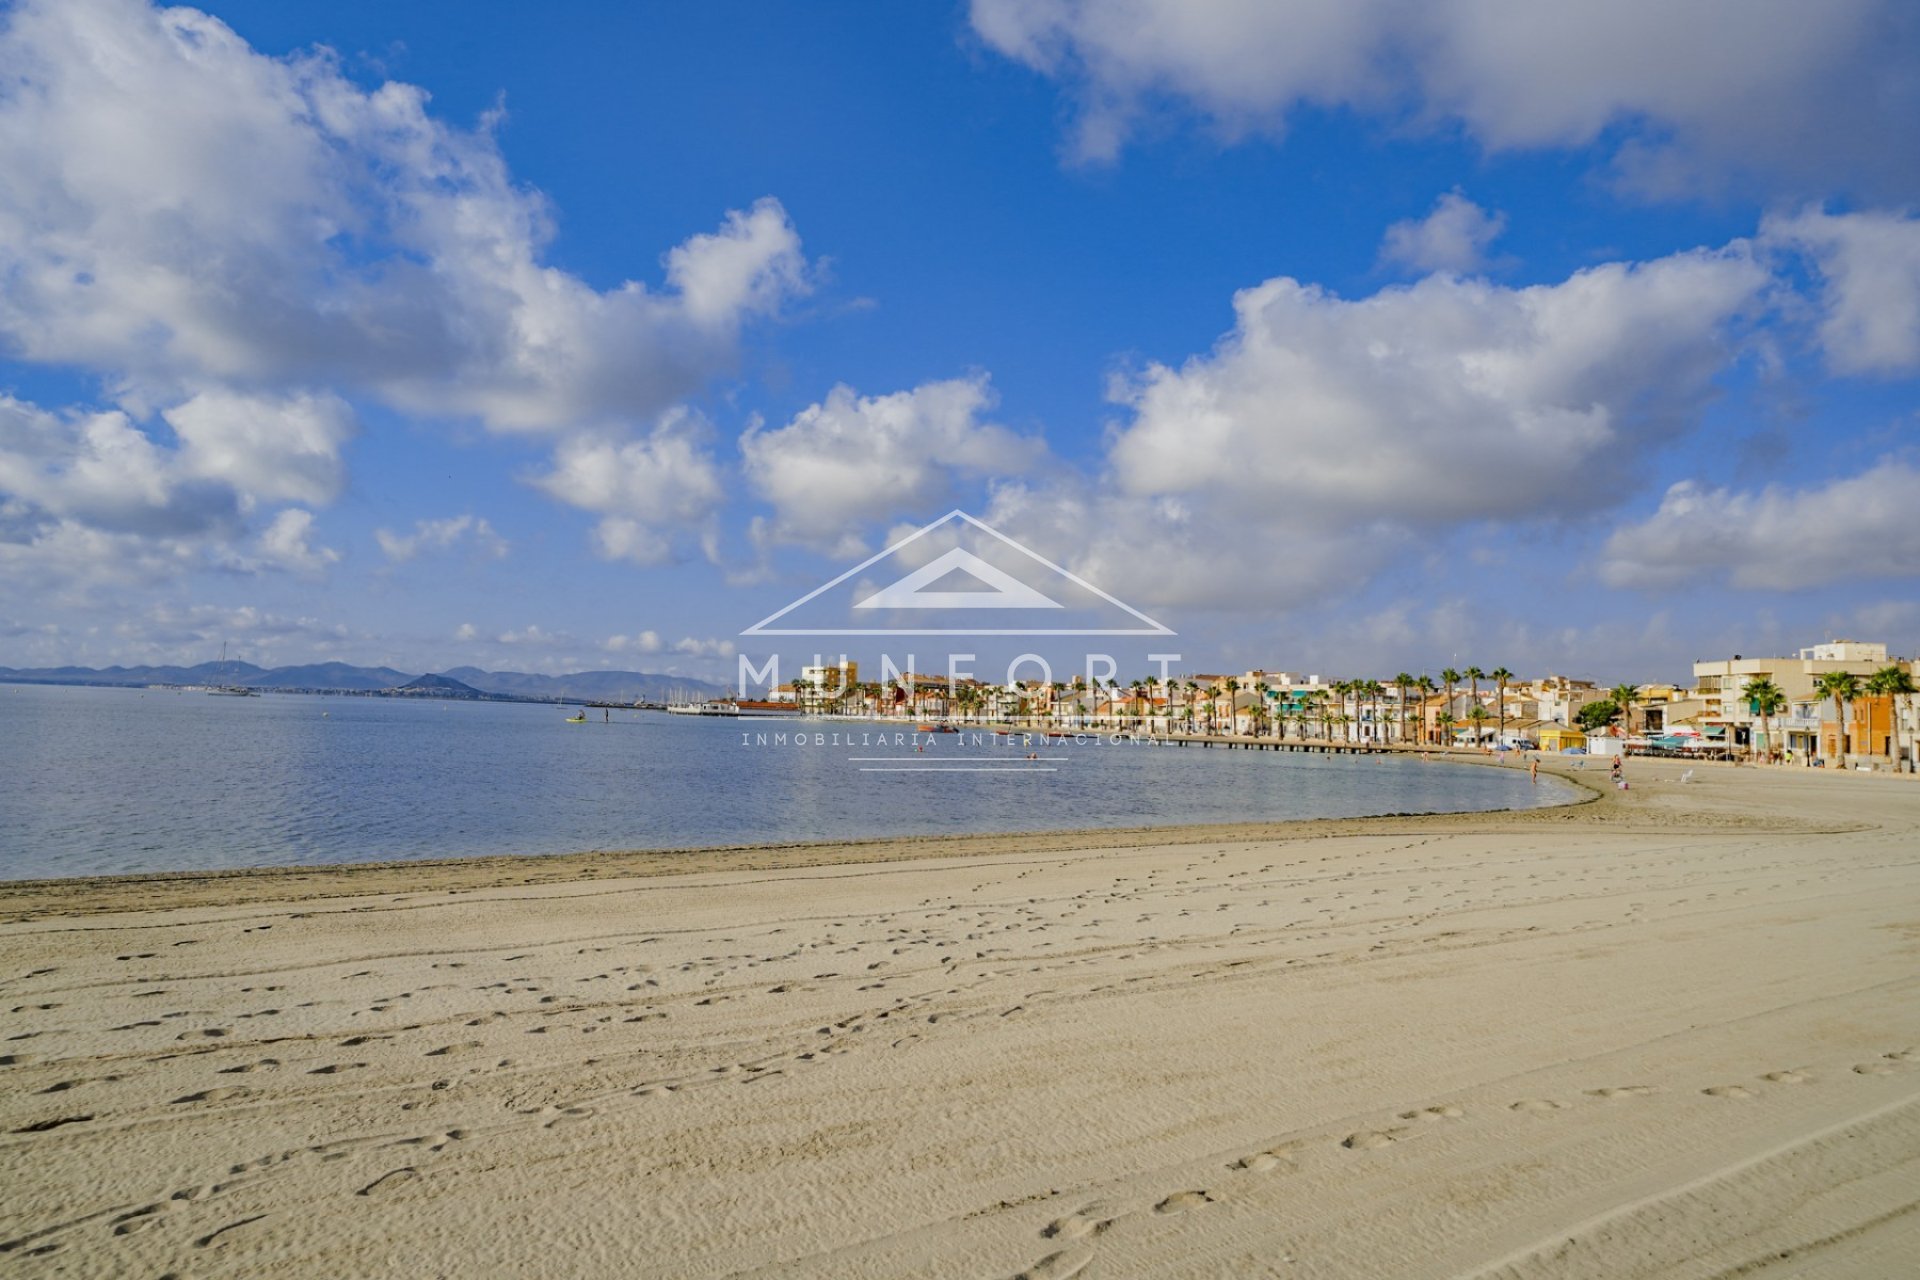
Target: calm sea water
{"type": "Point", "coordinates": [104, 780]}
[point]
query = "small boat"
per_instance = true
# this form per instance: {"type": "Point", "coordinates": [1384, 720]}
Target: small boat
{"type": "Point", "coordinates": [231, 690]}
{"type": "Point", "coordinates": [579, 719]}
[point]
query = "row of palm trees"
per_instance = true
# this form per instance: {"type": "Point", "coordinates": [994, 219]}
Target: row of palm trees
{"type": "Point", "coordinates": [1768, 701]}
{"type": "Point", "coordinates": [1201, 705]}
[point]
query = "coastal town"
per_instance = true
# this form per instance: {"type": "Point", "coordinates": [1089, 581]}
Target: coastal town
{"type": "Point", "coordinates": [1843, 703]}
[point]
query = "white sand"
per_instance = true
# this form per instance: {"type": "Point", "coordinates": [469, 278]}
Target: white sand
{"type": "Point", "coordinates": [1672, 1033]}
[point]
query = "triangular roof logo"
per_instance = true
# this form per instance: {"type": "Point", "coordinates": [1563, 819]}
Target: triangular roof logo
{"type": "Point", "coordinates": [1004, 591]}
{"type": "Point", "coordinates": [928, 589]}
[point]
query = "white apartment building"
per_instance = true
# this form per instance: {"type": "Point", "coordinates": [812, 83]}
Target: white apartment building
{"type": "Point", "coordinates": [1726, 716]}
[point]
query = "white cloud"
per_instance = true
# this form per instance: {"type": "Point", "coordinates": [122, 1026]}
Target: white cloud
{"type": "Point", "coordinates": [1870, 268]}
{"type": "Point", "coordinates": [704, 648]}
{"type": "Point", "coordinates": [186, 633]}
{"type": "Point", "coordinates": [1448, 400]}
{"type": "Point", "coordinates": [748, 267]}
{"type": "Point", "coordinates": [1699, 89]}
{"type": "Point", "coordinates": [91, 498]}
{"type": "Point", "coordinates": [643, 489]}
{"type": "Point", "coordinates": [1167, 551]}
{"type": "Point", "coordinates": [182, 212]}
{"type": "Point", "coordinates": [100, 470]}
{"type": "Point", "coordinates": [1856, 527]}
{"type": "Point", "coordinates": [440, 535]}
{"type": "Point", "coordinates": [1454, 237]}
{"type": "Point", "coordinates": [269, 448]}
{"type": "Point", "coordinates": [639, 642]}
{"type": "Point", "coordinates": [64, 560]}
{"type": "Point", "coordinates": [286, 544]}
{"type": "Point", "coordinates": [851, 459]}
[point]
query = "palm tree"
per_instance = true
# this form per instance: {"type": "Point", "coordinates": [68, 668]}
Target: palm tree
{"type": "Point", "coordinates": [1478, 714]}
{"type": "Point", "coordinates": [1326, 716]}
{"type": "Point", "coordinates": [1445, 721]}
{"type": "Point", "coordinates": [1451, 678]}
{"type": "Point", "coordinates": [1624, 696]}
{"type": "Point", "coordinates": [1375, 690]}
{"type": "Point", "coordinates": [1475, 675]}
{"type": "Point", "coordinates": [1402, 683]}
{"type": "Point", "coordinates": [1233, 687]}
{"type": "Point", "coordinates": [1500, 677]}
{"type": "Point", "coordinates": [1426, 687]}
{"type": "Point", "coordinates": [1767, 700]}
{"type": "Point", "coordinates": [1891, 682]}
{"type": "Point", "coordinates": [1843, 687]}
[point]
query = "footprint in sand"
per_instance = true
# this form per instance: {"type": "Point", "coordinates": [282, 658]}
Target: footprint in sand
{"type": "Point", "coordinates": [1874, 1069]}
{"type": "Point", "coordinates": [1090, 1220]}
{"type": "Point", "coordinates": [434, 1141]}
{"type": "Point", "coordinates": [214, 1237]}
{"type": "Point", "coordinates": [1266, 1161]}
{"type": "Point", "coordinates": [1623, 1091]}
{"type": "Point", "coordinates": [1534, 1104]}
{"type": "Point", "coordinates": [1371, 1139]}
{"type": "Point", "coordinates": [1729, 1091]}
{"type": "Point", "coordinates": [1181, 1201]}
{"type": "Point", "coordinates": [1430, 1115]}
{"type": "Point", "coordinates": [389, 1181]}
{"type": "Point", "coordinates": [135, 1220]}
{"type": "Point", "coordinates": [1788, 1077]}
{"type": "Point", "coordinates": [229, 1094]}
{"type": "Point", "coordinates": [1058, 1266]}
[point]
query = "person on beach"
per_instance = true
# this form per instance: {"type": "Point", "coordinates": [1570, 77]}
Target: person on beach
{"type": "Point", "coordinates": [1533, 772]}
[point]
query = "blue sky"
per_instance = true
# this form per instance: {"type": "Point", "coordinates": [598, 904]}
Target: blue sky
{"type": "Point", "coordinates": [1399, 337]}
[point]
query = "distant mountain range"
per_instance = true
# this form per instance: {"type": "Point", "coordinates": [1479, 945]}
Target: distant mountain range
{"type": "Point", "coordinates": [339, 677]}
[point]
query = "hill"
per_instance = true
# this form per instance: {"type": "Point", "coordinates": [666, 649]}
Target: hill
{"type": "Point", "coordinates": [431, 686]}
{"type": "Point", "coordinates": [342, 677]}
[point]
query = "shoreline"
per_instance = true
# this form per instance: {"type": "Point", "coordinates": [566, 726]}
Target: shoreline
{"type": "Point", "coordinates": [1596, 804]}
{"type": "Point", "coordinates": [22, 899]}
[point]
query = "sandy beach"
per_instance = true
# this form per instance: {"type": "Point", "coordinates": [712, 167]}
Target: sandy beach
{"type": "Point", "coordinates": [1669, 1032]}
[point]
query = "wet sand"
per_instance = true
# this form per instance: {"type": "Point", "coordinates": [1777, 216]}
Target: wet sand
{"type": "Point", "coordinates": [1672, 1031]}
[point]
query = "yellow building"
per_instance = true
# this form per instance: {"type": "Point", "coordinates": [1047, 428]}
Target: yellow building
{"type": "Point", "coordinates": [1558, 737]}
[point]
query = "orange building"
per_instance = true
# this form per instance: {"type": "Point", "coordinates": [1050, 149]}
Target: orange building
{"type": "Point", "coordinates": [1869, 727]}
